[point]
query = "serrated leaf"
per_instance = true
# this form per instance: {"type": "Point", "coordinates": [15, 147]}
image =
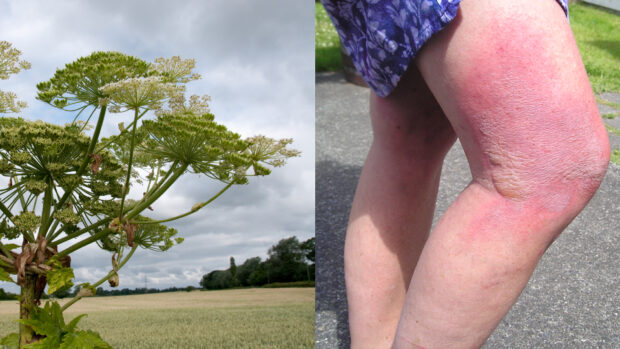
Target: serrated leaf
{"type": "Point", "coordinates": [59, 278]}
{"type": "Point", "coordinates": [71, 326]}
{"type": "Point", "coordinates": [11, 341]}
{"type": "Point", "coordinates": [5, 276]}
{"type": "Point", "coordinates": [47, 321]}
{"type": "Point", "coordinates": [83, 340]}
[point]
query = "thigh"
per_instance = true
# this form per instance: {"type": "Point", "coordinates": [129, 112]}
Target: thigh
{"type": "Point", "coordinates": [509, 77]}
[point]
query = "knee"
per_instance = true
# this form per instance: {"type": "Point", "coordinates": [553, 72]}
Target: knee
{"type": "Point", "coordinates": [559, 174]}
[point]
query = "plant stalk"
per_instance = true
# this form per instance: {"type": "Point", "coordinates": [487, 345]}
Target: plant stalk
{"type": "Point", "coordinates": [126, 187]}
{"type": "Point", "coordinates": [26, 309]}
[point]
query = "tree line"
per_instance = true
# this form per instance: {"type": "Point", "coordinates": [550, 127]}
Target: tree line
{"type": "Point", "coordinates": [288, 261]}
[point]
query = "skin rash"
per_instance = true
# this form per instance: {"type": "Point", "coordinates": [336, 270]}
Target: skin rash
{"type": "Point", "coordinates": [536, 143]}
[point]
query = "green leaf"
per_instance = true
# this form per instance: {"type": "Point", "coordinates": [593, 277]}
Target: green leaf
{"type": "Point", "coordinates": [71, 326]}
{"type": "Point", "coordinates": [47, 321]}
{"type": "Point", "coordinates": [59, 278]}
{"type": "Point", "coordinates": [11, 341]}
{"type": "Point", "coordinates": [83, 340]}
{"type": "Point", "coordinates": [5, 276]}
{"type": "Point", "coordinates": [11, 246]}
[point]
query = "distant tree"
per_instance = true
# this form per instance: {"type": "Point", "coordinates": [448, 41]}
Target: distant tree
{"type": "Point", "coordinates": [286, 261]}
{"type": "Point", "coordinates": [217, 280]}
{"type": "Point", "coordinates": [234, 282]}
{"type": "Point", "coordinates": [308, 249]}
{"type": "Point", "coordinates": [246, 269]}
{"type": "Point", "coordinates": [260, 275]}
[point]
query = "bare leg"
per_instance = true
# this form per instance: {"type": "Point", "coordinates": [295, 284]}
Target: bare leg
{"type": "Point", "coordinates": [393, 208]}
{"type": "Point", "coordinates": [510, 79]}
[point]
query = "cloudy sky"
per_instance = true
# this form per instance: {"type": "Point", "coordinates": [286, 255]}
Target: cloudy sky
{"type": "Point", "coordinates": [257, 63]}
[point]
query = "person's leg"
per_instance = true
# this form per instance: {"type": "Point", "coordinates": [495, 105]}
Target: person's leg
{"type": "Point", "coordinates": [509, 77]}
{"type": "Point", "coordinates": [393, 207]}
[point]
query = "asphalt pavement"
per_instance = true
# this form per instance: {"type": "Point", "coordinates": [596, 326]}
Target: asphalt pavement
{"type": "Point", "coordinates": [573, 298]}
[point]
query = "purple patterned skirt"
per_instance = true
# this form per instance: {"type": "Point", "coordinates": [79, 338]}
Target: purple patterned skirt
{"type": "Point", "coordinates": [383, 36]}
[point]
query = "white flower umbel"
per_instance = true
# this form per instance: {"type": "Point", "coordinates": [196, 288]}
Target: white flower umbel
{"type": "Point", "coordinates": [137, 93]}
{"type": "Point", "coordinates": [9, 103]}
{"type": "Point", "coordinates": [175, 69]}
{"type": "Point", "coordinates": [10, 64]}
{"type": "Point", "coordinates": [197, 105]}
{"type": "Point", "coordinates": [9, 60]}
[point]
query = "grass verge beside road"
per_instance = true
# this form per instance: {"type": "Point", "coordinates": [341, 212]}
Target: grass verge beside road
{"type": "Point", "coordinates": [326, 42]}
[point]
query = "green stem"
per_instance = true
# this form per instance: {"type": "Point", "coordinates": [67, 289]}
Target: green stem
{"type": "Point", "coordinates": [102, 280]}
{"type": "Point", "coordinates": [91, 147]}
{"type": "Point", "coordinates": [126, 187]}
{"type": "Point", "coordinates": [130, 214]}
{"type": "Point", "coordinates": [194, 209]}
{"type": "Point", "coordinates": [157, 193]}
{"type": "Point", "coordinates": [80, 232]}
{"type": "Point", "coordinates": [47, 205]}
{"type": "Point", "coordinates": [6, 211]}
{"type": "Point", "coordinates": [26, 309]}
{"type": "Point", "coordinates": [160, 182]}
{"type": "Point", "coordinates": [83, 243]}
{"type": "Point", "coordinates": [104, 145]}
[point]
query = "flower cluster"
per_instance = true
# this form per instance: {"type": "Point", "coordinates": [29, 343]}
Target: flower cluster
{"type": "Point", "coordinates": [77, 86]}
{"type": "Point", "coordinates": [9, 103]}
{"type": "Point", "coordinates": [9, 60]}
{"type": "Point", "coordinates": [197, 141]}
{"type": "Point", "coordinates": [197, 105]}
{"type": "Point", "coordinates": [264, 150]}
{"type": "Point", "coordinates": [136, 93]}
{"type": "Point", "coordinates": [10, 64]}
{"type": "Point", "coordinates": [175, 69]}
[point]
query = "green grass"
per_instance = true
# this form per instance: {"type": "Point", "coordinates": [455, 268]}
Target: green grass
{"type": "Point", "coordinates": [615, 157]}
{"type": "Point", "coordinates": [326, 42]}
{"type": "Point", "coordinates": [597, 33]}
{"type": "Point", "coordinates": [253, 318]}
{"type": "Point", "coordinates": [598, 36]}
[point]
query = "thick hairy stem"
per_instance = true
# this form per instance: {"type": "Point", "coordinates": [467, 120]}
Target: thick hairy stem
{"type": "Point", "coordinates": [133, 143]}
{"type": "Point", "coordinates": [102, 280]}
{"type": "Point", "coordinates": [26, 308]}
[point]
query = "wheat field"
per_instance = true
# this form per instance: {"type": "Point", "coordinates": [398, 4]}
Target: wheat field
{"type": "Point", "coordinates": [245, 318]}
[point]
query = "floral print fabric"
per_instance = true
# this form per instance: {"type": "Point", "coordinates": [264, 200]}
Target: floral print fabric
{"type": "Point", "coordinates": [383, 36]}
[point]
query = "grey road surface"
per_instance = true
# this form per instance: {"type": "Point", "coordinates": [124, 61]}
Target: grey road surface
{"type": "Point", "coordinates": [573, 299]}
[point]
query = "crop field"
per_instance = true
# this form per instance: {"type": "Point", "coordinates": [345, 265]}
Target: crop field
{"type": "Point", "coordinates": [246, 318]}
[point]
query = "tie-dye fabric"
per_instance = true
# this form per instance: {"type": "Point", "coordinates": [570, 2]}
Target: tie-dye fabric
{"type": "Point", "coordinates": [383, 36]}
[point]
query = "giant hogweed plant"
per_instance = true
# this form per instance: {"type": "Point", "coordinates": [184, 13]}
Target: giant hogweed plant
{"type": "Point", "coordinates": [71, 189]}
